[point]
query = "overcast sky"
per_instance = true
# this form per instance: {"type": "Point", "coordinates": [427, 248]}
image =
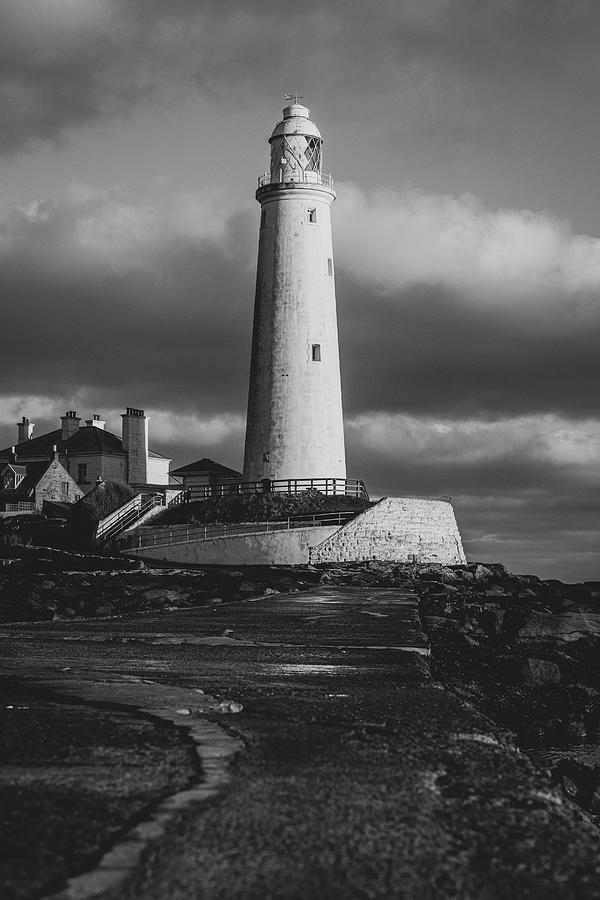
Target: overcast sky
{"type": "Point", "coordinates": [464, 140]}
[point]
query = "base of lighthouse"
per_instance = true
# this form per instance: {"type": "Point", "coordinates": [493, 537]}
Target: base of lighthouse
{"type": "Point", "coordinates": [395, 529]}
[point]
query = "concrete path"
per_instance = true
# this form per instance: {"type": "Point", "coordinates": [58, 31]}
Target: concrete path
{"type": "Point", "coordinates": [356, 776]}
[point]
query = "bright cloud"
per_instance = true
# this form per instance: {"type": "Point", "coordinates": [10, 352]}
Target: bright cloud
{"type": "Point", "coordinates": [395, 240]}
{"type": "Point", "coordinates": [547, 439]}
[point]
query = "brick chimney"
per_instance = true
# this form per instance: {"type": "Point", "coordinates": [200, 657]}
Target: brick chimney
{"type": "Point", "coordinates": [95, 422]}
{"type": "Point", "coordinates": [135, 444]}
{"type": "Point", "coordinates": [25, 430]}
{"type": "Point", "coordinates": [70, 424]}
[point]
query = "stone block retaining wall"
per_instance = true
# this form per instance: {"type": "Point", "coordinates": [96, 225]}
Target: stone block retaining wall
{"type": "Point", "coordinates": [398, 529]}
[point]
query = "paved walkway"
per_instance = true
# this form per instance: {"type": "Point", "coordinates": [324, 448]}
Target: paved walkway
{"type": "Point", "coordinates": [342, 770]}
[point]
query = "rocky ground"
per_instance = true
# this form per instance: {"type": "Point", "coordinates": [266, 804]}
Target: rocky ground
{"type": "Point", "coordinates": [66, 770]}
{"type": "Point", "coordinates": [523, 651]}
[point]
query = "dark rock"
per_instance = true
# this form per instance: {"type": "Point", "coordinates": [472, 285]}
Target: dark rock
{"type": "Point", "coordinates": [281, 582]}
{"type": "Point", "coordinates": [441, 622]}
{"type": "Point", "coordinates": [527, 595]}
{"type": "Point", "coordinates": [249, 589]}
{"type": "Point", "coordinates": [540, 671]}
{"type": "Point", "coordinates": [480, 572]}
{"type": "Point", "coordinates": [437, 573]}
{"type": "Point", "coordinates": [579, 593]}
{"type": "Point", "coordinates": [106, 609]}
{"type": "Point", "coordinates": [491, 620]}
{"type": "Point", "coordinates": [567, 627]}
{"type": "Point", "coordinates": [496, 592]}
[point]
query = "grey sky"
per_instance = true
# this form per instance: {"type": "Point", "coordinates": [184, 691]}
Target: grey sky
{"type": "Point", "coordinates": [463, 140]}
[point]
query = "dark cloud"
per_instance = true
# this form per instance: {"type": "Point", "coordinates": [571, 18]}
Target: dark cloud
{"type": "Point", "coordinates": [513, 504]}
{"type": "Point", "coordinates": [169, 323]}
{"type": "Point", "coordinates": [67, 65]}
{"type": "Point", "coordinates": [423, 349]}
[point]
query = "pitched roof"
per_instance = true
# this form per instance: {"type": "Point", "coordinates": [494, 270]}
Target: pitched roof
{"type": "Point", "coordinates": [86, 440]}
{"type": "Point", "coordinates": [14, 467]}
{"type": "Point", "coordinates": [207, 467]}
{"type": "Point", "coordinates": [94, 440]}
{"type": "Point", "coordinates": [26, 487]}
{"type": "Point", "coordinates": [39, 446]}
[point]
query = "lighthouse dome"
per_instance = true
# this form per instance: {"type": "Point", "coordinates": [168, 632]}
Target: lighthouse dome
{"type": "Point", "coordinates": [296, 120]}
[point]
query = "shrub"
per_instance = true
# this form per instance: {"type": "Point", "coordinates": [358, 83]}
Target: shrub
{"type": "Point", "coordinates": [260, 507]}
{"type": "Point", "coordinates": [101, 501]}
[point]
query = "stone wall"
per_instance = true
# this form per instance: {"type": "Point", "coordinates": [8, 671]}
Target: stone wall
{"type": "Point", "coordinates": [56, 484]}
{"type": "Point", "coordinates": [399, 529]}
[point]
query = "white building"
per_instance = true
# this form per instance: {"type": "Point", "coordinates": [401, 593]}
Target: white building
{"type": "Point", "coordinates": [91, 452]}
{"type": "Point", "coordinates": [295, 427]}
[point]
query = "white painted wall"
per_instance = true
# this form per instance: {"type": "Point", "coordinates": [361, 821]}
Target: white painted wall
{"type": "Point", "coordinates": [278, 548]}
{"type": "Point", "coordinates": [295, 426]}
{"type": "Point", "coordinates": [157, 470]}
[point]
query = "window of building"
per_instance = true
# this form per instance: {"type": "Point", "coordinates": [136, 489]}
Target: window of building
{"type": "Point", "coordinates": [64, 489]}
{"type": "Point", "coordinates": [312, 216]}
{"type": "Point", "coordinates": [263, 218]}
{"type": "Point", "coordinates": [316, 353]}
{"type": "Point", "coordinates": [329, 266]}
{"type": "Point", "coordinates": [82, 472]}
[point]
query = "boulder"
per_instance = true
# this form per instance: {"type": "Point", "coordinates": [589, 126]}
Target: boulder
{"type": "Point", "coordinates": [536, 671]}
{"type": "Point", "coordinates": [434, 572]}
{"type": "Point", "coordinates": [106, 609]}
{"type": "Point", "coordinates": [480, 573]}
{"type": "Point", "coordinates": [491, 620]}
{"type": "Point", "coordinates": [571, 626]}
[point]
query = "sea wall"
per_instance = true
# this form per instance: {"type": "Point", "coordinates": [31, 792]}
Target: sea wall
{"type": "Point", "coordinates": [398, 529]}
{"type": "Point", "coordinates": [278, 548]}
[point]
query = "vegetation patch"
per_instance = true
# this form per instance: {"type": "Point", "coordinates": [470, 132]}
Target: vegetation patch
{"type": "Point", "coordinates": [101, 501]}
{"type": "Point", "coordinates": [260, 507]}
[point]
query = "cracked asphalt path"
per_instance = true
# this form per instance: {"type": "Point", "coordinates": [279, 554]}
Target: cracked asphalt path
{"type": "Point", "coordinates": [359, 777]}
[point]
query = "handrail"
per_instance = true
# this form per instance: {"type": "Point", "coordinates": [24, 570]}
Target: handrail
{"type": "Point", "coordinates": [306, 177]}
{"type": "Point", "coordinates": [126, 515]}
{"type": "Point", "coordinates": [184, 534]}
{"type": "Point", "coordinates": [117, 514]}
{"type": "Point", "coordinates": [348, 487]}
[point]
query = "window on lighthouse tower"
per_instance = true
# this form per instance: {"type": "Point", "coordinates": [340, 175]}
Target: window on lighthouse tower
{"type": "Point", "coordinates": [316, 353]}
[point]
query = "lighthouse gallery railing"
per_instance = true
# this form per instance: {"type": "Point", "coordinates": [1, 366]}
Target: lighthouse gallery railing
{"type": "Point", "coordinates": [306, 177]}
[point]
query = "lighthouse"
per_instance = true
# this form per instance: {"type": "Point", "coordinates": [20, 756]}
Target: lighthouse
{"type": "Point", "coordinates": [295, 426]}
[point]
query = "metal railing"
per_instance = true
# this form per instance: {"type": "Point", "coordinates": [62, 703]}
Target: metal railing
{"type": "Point", "coordinates": [127, 515]}
{"type": "Point", "coordinates": [330, 487]}
{"type": "Point", "coordinates": [307, 177]}
{"type": "Point", "coordinates": [162, 536]}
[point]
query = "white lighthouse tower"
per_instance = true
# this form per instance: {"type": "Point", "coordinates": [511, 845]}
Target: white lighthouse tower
{"type": "Point", "coordinates": [295, 427]}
